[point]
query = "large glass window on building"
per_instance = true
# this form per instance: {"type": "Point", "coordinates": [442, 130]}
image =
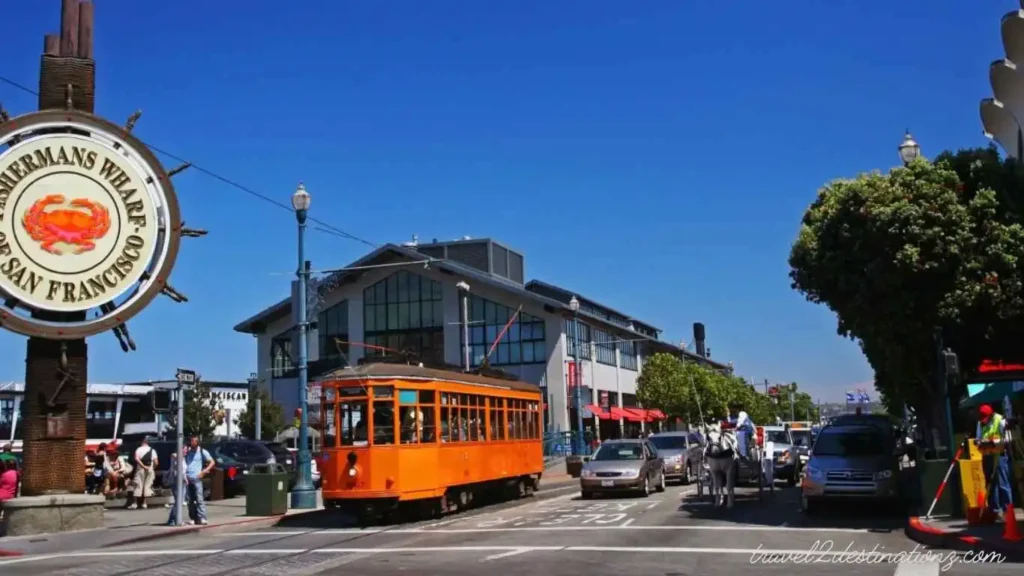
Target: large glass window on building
{"type": "Point", "coordinates": [282, 357]}
{"type": "Point", "coordinates": [522, 343]}
{"type": "Point", "coordinates": [100, 415]}
{"type": "Point", "coordinates": [403, 314]}
{"type": "Point", "coordinates": [627, 355]}
{"type": "Point", "coordinates": [605, 345]}
{"type": "Point", "coordinates": [332, 331]}
{"type": "Point", "coordinates": [584, 338]}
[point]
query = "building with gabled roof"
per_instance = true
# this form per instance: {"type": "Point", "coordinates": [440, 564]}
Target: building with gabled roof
{"type": "Point", "coordinates": [405, 297]}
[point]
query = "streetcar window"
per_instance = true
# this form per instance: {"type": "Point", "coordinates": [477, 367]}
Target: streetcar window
{"type": "Point", "coordinates": [411, 418]}
{"type": "Point", "coordinates": [383, 422]}
{"type": "Point", "coordinates": [461, 431]}
{"type": "Point", "coordinates": [446, 426]}
{"type": "Point", "coordinates": [427, 396]}
{"type": "Point", "coordinates": [352, 416]}
{"type": "Point", "coordinates": [407, 397]}
{"type": "Point", "coordinates": [383, 392]}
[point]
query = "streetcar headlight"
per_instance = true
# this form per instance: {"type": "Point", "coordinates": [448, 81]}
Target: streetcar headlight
{"type": "Point", "coordinates": [352, 472]}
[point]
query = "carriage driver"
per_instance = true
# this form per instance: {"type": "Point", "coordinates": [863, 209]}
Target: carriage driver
{"type": "Point", "coordinates": [744, 427]}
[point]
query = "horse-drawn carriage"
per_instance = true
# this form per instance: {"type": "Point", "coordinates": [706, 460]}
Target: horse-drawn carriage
{"type": "Point", "coordinates": [722, 467]}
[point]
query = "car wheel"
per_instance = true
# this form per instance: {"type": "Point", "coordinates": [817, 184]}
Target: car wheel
{"type": "Point", "coordinates": [647, 487]}
{"type": "Point", "coordinates": [661, 484]}
{"type": "Point", "coordinates": [685, 480]}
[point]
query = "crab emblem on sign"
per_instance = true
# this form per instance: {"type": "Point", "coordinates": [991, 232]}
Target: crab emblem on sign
{"type": "Point", "coordinates": [72, 227]}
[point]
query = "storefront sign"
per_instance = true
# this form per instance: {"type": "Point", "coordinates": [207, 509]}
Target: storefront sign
{"type": "Point", "coordinates": [88, 221]}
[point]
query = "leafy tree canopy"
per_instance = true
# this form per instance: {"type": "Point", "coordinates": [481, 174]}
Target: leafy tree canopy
{"type": "Point", "coordinates": [894, 255]}
{"type": "Point", "coordinates": [203, 413]}
{"type": "Point", "coordinates": [688, 390]}
{"type": "Point", "coordinates": [271, 417]}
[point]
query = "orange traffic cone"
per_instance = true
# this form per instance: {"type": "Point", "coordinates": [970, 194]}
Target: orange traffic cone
{"type": "Point", "coordinates": [1010, 531]}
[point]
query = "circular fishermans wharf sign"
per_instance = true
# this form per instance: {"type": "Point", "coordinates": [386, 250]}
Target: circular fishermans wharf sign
{"type": "Point", "coordinates": [89, 223]}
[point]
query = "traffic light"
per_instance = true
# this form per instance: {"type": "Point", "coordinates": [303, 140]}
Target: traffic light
{"type": "Point", "coordinates": [160, 399]}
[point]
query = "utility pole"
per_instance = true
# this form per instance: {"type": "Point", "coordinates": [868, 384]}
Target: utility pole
{"type": "Point", "coordinates": [185, 378]}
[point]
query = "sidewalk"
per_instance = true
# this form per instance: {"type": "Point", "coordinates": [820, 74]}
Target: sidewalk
{"type": "Point", "coordinates": [122, 526]}
{"type": "Point", "coordinates": [955, 534]}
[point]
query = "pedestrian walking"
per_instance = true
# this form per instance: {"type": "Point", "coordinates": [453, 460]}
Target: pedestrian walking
{"type": "Point", "coordinates": [198, 464]}
{"type": "Point", "coordinates": [146, 463]}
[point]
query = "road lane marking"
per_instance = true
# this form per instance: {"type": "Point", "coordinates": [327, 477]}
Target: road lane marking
{"type": "Point", "coordinates": [724, 528]}
{"type": "Point", "coordinates": [919, 569]}
{"type": "Point", "coordinates": [506, 554]}
{"type": "Point", "coordinates": [496, 550]}
{"type": "Point", "coordinates": [627, 522]}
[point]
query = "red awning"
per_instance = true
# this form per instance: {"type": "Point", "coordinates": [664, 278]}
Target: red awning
{"type": "Point", "coordinates": [655, 414]}
{"type": "Point", "coordinates": [597, 411]}
{"type": "Point", "coordinates": [631, 414]}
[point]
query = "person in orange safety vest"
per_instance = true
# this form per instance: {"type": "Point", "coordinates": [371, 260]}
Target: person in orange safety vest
{"type": "Point", "coordinates": [992, 428]}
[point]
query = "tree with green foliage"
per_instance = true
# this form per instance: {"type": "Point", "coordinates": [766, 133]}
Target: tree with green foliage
{"type": "Point", "coordinates": [894, 255]}
{"type": "Point", "coordinates": [271, 417]}
{"type": "Point", "coordinates": [203, 412]}
{"type": "Point", "coordinates": [689, 390]}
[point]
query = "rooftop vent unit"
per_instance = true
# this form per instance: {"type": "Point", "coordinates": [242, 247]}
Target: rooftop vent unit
{"type": "Point", "coordinates": [482, 254]}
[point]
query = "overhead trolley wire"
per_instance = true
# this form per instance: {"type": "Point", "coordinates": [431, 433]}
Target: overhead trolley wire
{"type": "Point", "coordinates": [325, 226]}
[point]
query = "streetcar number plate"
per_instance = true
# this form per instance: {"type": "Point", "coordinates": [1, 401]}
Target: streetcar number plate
{"type": "Point", "coordinates": [607, 483]}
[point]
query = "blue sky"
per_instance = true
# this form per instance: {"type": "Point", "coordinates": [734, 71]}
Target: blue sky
{"type": "Point", "coordinates": [656, 156]}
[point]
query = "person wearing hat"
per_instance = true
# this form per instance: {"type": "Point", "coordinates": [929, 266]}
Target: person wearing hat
{"type": "Point", "coordinates": [991, 430]}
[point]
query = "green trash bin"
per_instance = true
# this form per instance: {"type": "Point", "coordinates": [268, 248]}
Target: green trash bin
{"type": "Point", "coordinates": [266, 490]}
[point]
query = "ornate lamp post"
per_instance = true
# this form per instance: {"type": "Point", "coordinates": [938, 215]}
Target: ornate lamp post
{"type": "Point", "coordinates": [909, 149]}
{"type": "Point", "coordinates": [574, 306]}
{"type": "Point", "coordinates": [304, 494]}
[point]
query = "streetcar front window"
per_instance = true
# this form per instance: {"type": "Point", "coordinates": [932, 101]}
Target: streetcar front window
{"type": "Point", "coordinates": [352, 416]}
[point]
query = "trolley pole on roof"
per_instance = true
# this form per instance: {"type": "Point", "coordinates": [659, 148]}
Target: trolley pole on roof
{"type": "Point", "coordinates": [577, 375]}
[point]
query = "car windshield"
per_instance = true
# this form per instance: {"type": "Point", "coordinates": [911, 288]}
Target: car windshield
{"type": "Point", "coordinates": [620, 452]}
{"type": "Point", "coordinates": [669, 442]}
{"type": "Point", "coordinates": [801, 437]}
{"type": "Point", "coordinates": [776, 436]}
{"type": "Point", "coordinates": [849, 443]}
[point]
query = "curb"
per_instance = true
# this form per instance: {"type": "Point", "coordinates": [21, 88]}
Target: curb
{"type": "Point", "coordinates": [10, 553]}
{"type": "Point", "coordinates": [933, 537]}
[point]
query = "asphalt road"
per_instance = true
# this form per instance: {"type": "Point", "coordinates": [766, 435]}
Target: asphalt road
{"type": "Point", "coordinates": [667, 534]}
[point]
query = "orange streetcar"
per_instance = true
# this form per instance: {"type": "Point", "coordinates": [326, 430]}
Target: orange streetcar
{"type": "Point", "coordinates": [426, 438]}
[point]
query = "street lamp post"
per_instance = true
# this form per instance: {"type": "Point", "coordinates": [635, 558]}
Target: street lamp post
{"type": "Point", "coordinates": [574, 306]}
{"type": "Point", "coordinates": [909, 149]}
{"type": "Point", "coordinates": [304, 494]}
{"type": "Point", "coordinates": [464, 290]}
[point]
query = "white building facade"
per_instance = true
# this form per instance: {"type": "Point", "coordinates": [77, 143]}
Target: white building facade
{"type": "Point", "coordinates": [406, 298]}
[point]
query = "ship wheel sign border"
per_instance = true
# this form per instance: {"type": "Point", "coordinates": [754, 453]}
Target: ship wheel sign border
{"type": "Point", "coordinates": [157, 260]}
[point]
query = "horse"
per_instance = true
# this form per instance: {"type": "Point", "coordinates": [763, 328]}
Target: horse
{"type": "Point", "coordinates": [722, 455]}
